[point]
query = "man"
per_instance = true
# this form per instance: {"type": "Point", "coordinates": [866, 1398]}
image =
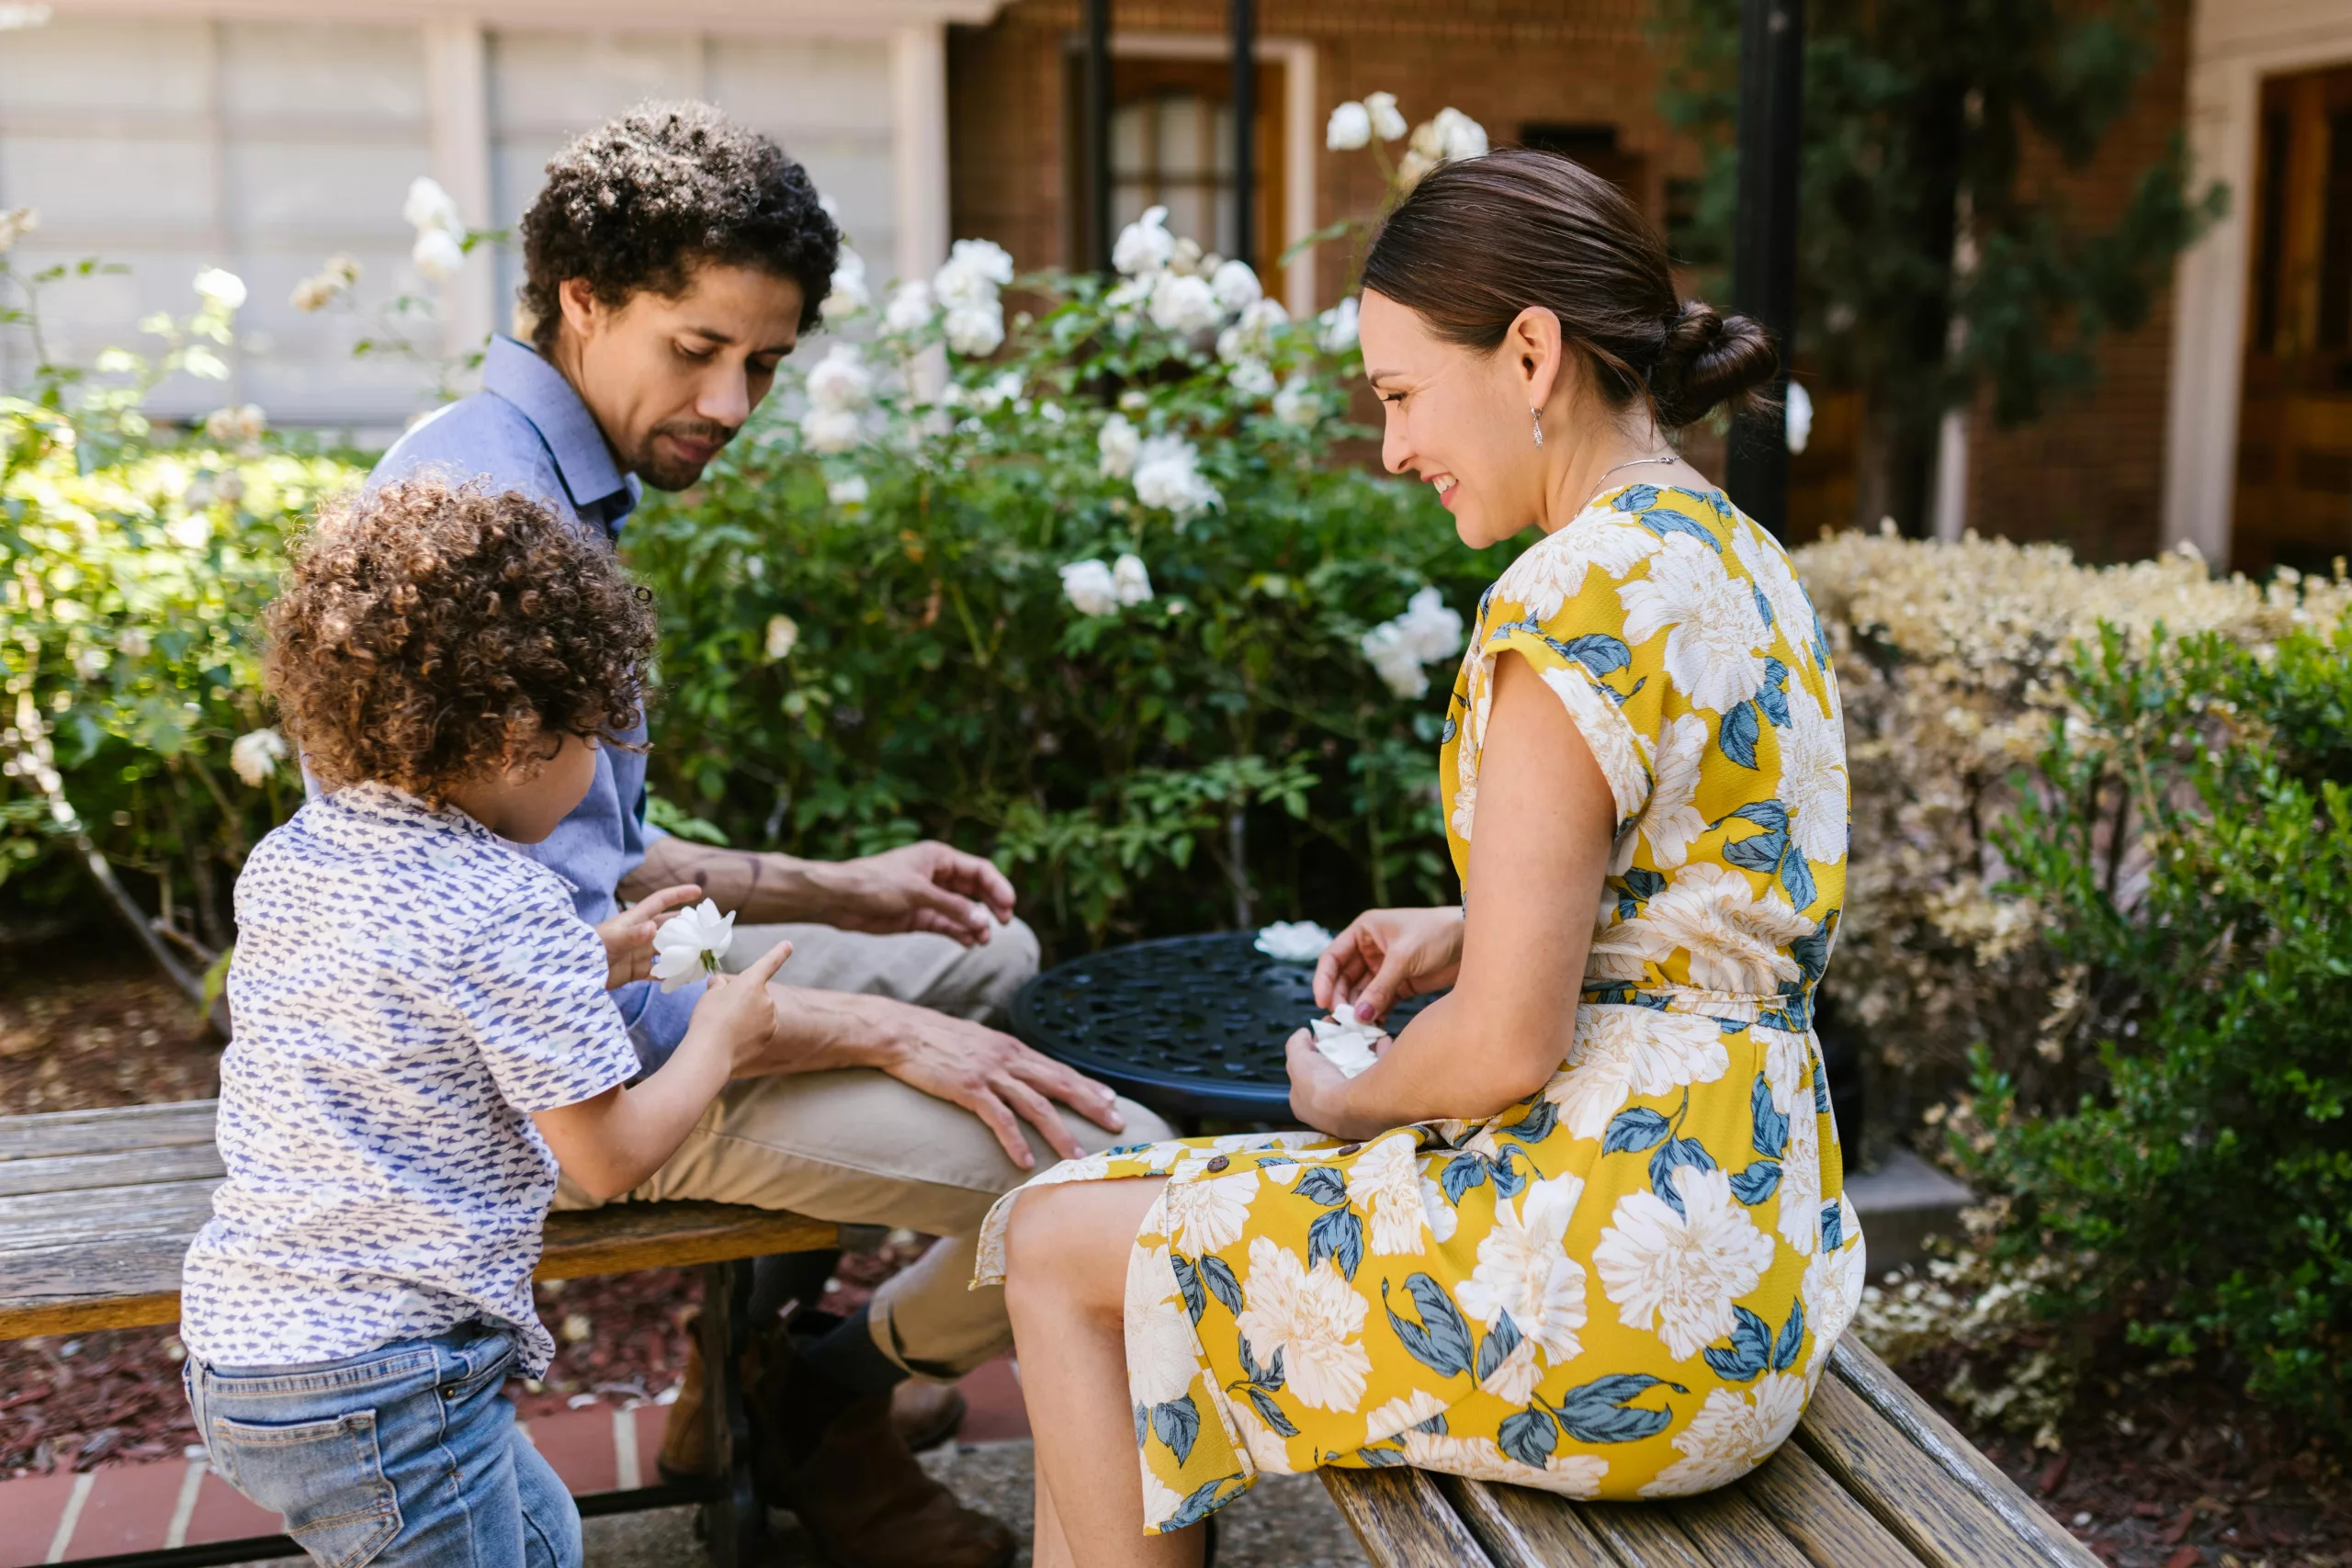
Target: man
{"type": "Point", "coordinates": [671, 263]}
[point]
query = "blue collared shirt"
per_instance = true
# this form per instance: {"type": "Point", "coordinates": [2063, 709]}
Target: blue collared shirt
{"type": "Point", "coordinates": [526, 430]}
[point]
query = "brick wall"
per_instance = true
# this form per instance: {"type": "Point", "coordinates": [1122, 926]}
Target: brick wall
{"type": "Point", "coordinates": [2090, 472]}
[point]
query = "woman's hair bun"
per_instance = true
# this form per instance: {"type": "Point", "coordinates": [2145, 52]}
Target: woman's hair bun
{"type": "Point", "coordinates": [1709, 360]}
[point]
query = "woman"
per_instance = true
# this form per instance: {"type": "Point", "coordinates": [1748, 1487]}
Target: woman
{"type": "Point", "coordinates": [1596, 1247]}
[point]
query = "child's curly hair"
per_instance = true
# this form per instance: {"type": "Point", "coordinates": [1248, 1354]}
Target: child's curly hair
{"type": "Point", "coordinates": [429, 630]}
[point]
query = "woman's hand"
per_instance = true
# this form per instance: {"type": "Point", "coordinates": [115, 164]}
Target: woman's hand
{"type": "Point", "coordinates": [1386, 955]}
{"type": "Point", "coordinates": [1318, 1091]}
{"type": "Point", "coordinates": [628, 936]}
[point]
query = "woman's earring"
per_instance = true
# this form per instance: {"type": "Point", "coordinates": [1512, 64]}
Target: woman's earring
{"type": "Point", "coordinates": [1539, 425]}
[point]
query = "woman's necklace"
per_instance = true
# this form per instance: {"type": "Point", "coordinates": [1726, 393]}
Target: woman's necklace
{"type": "Point", "coordinates": [1628, 463]}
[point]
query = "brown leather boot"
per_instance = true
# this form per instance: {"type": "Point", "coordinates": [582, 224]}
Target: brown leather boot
{"type": "Point", "coordinates": [926, 1414]}
{"type": "Point", "coordinates": [851, 1481]}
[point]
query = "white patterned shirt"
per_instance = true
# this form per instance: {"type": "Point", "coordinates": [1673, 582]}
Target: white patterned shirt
{"type": "Point", "coordinates": [407, 990]}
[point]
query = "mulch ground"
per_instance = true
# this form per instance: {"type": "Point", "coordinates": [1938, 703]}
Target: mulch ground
{"type": "Point", "coordinates": [2152, 1473]}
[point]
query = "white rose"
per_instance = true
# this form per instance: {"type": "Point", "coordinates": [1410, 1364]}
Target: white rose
{"type": "Point", "coordinates": [1349, 127]}
{"type": "Point", "coordinates": [830, 430]}
{"type": "Point", "coordinates": [1452, 135]}
{"type": "Point", "coordinates": [1184, 305]}
{"type": "Point", "coordinates": [691, 944]}
{"type": "Point", "coordinates": [1129, 582]}
{"type": "Point", "coordinates": [429, 207]}
{"type": "Point", "coordinates": [1168, 475]}
{"type": "Point", "coordinates": [1297, 403]}
{"type": "Point", "coordinates": [1412, 166]}
{"type": "Point", "coordinates": [254, 755]}
{"type": "Point", "coordinates": [1236, 285]}
{"type": "Point", "coordinates": [1252, 337]}
{"type": "Point", "coordinates": [1251, 378]}
{"type": "Point", "coordinates": [784, 636]}
{"type": "Point", "coordinates": [847, 295]}
{"type": "Point", "coordinates": [222, 290]}
{"type": "Point", "coordinates": [839, 381]}
{"type": "Point", "coordinates": [1800, 414]}
{"type": "Point", "coordinates": [975, 330]}
{"type": "Point", "coordinates": [1292, 941]}
{"type": "Point", "coordinates": [850, 490]}
{"type": "Point", "coordinates": [236, 427]}
{"type": "Point", "coordinates": [438, 254]}
{"type": "Point", "coordinates": [910, 310]}
{"type": "Point", "coordinates": [1391, 657]}
{"type": "Point", "coordinates": [1119, 443]}
{"type": "Point", "coordinates": [974, 271]}
{"type": "Point", "coordinates": [1144, 245]}
{"type": "Point", "coordinates": [1090, 588]}
{"type": "Point", "coordinates": [999, 392]}
{"type": "Point", "coordinates": [1430, 630]}
{"type": "Point", "coordinates": [1386, 123]}
{"type": "Point", "coordinates": [1336, 330]}
{"type": "Point", "coordinates": [1347, 1042]}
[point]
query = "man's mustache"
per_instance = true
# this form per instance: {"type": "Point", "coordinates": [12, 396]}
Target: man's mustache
{"type": "Point", "coordinates": [698, 430]}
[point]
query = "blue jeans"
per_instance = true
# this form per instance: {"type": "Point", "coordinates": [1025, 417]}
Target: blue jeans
{"type": "Point", "coordinates": [405, 1457]}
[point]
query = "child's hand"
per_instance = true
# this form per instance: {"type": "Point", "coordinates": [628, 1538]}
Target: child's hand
{"type": "Point", "coordinates": [628, 936]}
{"type": "Point", "coordinates": [741, 1009]}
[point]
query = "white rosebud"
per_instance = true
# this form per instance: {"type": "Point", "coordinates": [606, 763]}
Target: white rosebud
{"type": "Point", "coordinates": [1144, 245]}
{"type": "Point", "coordinates": [691, 944]}
{"type": "Point", "coordinates": [1430, 629]}
{"type": "Point", "coordinates": [975, 330]}
{"type": "Point", "coordinates": [1168, 476]}
{"type": "Point", "coordinates": [1292, 941]}
{"type": "Point", "coordinates": [429, 208]}
{"type": "Point", "coordinates": [830, 430]}
{"type": "Point", "coordinates": [1349, 127]}
{"type": "Point", "coordinates": [839, 381]}
{"type": "Point", "coordinates": [1251, 378]}
{"type": "Point", "coordinates": [1051, 412]}
{"type": "Point", "coordinates": [1411, 167]}
{"type": "Point", "coordinates": [784, 635]}
{"type": "Point", "coordinates": [1119, 443]}
{"type": "Point", "coordinates": [847, 294]}
{"type": "Point", "coordinates": [1453, 135]}
{"type": "Point", "coordinates": [999, 392]}
{"type": "Point", "coordinates": [1298, 403]}
{"type": "Point", "coordinates": [1184, 305]}
{"type": "Point", "coordinates": [220, 289]}
{"type": "Point", "coordinates": [438, 254]}
{"type": "Point", "coordinates": [910, 310]}
{"type": "Point", "coordinates": [1130, 583]}
{"type": "Point", "coordinates": [1386, 123]}
{"type": "Point", "coordinates": [1090, 588]}
{"type": "Point", "coordinates": [254, 755]}
{"type": "Point", "coordinates": [1391, 658]}
{"type": "Point", "coordinates": [1336, 328]}
{"type": "Point", "coordinates": [1800, 416]}
{"type": "Point", "coordinates": [850, 490]}
{"type": "Point", "coordinates": [15, 222]}
{"type": "Point", "coordinates": [1235, 285]}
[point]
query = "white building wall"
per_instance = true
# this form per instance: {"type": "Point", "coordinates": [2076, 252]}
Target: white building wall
{"type": "Point", "coordinates": [174, 139]}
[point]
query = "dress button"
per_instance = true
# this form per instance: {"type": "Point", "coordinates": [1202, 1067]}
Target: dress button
{"type": "Point", "coordinates": [1350, 1149]}
{"type": "Point", "coordinates": [1219, 1163]}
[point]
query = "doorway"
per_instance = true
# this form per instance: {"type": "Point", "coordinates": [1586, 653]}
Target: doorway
{"type": "Point", "coordinates": [2292, 504]}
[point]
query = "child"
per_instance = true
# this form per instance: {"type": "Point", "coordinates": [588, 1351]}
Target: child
{"type": "Point", "coordinates": [423, 1034]}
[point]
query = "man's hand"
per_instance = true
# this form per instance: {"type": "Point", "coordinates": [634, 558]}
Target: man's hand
{"type": "Point", "coordinates": [998, 1079]}
{"type": "Point", "coordinates": [628, 936]}
{"type": "Point", "coordinates": [923, 888]}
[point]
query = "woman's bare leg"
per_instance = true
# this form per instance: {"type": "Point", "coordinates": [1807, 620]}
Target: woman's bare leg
{"type": "Point", "coordinates": [1066, 1276]}
{"type": "Point", "coordinates": [1048, 1548]}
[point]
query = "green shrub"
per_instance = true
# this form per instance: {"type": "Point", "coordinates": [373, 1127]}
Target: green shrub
{"type": "Point", "coordinates": [2189, 860]}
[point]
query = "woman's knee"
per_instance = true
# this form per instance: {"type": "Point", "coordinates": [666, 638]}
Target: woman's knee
{"type": "Point", "coordinates": [1072, 1241]}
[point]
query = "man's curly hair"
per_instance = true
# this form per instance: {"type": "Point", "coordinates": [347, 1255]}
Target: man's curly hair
{"type": "Point", "coordinates": [640, 201]}
{"type": "Point", "coordinates": [428, 631]}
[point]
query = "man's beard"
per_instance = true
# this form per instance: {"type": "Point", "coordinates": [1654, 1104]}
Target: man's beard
{"type": "Point", "coordinates": [666, 473]}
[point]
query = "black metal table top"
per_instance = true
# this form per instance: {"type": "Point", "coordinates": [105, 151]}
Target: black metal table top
{"type": "Point", "coordinates": [1189, 1025]}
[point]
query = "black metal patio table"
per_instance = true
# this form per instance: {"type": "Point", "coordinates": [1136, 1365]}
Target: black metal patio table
{"type": "Point", "coordinates": [1191, 1026]}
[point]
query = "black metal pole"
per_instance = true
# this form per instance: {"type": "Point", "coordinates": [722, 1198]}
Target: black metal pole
{"type": "Point", "coordinates": [1764, 242]}
{"type": "Point", "coordinates": [1244, 125]}
{"type": "Point", "coordinates": [1098, 135]}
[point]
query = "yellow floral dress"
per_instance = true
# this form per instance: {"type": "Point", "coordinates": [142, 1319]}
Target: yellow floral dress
{"type": "Point", "coordinates": [1627, 1284]}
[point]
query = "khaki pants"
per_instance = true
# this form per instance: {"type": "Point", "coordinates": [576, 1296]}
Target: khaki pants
{"type": "Point", "coordinates": [858, 1147]}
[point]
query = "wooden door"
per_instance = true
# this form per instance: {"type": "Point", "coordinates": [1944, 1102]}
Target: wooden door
{"type": "Point", "coordinates": [2293, 502]}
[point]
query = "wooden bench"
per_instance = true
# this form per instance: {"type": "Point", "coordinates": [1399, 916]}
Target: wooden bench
{"type": "Point", "coordinates": [97, 1207]}
{"type": "Point", "coordinates": [1873, 1478]}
